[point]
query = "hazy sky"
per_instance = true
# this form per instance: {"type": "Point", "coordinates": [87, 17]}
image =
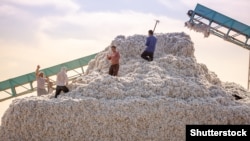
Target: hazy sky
{"type": "Point", "coordinates": [48, 32]}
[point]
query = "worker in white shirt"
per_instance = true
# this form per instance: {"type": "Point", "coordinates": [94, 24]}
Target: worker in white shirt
{"type": "Point", "coordinates": [62, 82]}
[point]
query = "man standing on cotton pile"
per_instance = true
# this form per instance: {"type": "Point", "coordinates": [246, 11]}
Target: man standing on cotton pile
{"type": "Point", "coordinates": [114, 58]}
{"type": "Point", "coordinates": [41, 82]}
{"type": "Point", "coordinates": [148, 53]}
{"type": "Point", "coordinates": [62, 82]}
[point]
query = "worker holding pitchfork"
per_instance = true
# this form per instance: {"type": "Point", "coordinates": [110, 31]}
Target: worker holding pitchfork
{"type": "Point", "coordinates": [148, 53]}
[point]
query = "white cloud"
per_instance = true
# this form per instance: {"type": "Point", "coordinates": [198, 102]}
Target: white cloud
{"type": "Point", "coordinates": [68, 5]}
{"type": "Point", "coordinates": [170, 4]}
{"type": "Point", "coordinates": [9, 10]}
{"type": "Point", "coordinates": [103, 24]}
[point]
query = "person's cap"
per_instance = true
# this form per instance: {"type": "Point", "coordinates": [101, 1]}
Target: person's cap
{"type": "Point", "coordinates": [40, 73]}
{"type": "Point", "coordinates": [64, 68]}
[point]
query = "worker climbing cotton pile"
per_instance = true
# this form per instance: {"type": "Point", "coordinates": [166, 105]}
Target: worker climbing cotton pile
{"type": "Point", "coordinates": [146, 101]}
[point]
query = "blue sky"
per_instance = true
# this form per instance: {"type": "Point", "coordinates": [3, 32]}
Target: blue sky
{"type": "Point", "coordinates": [48, 32]}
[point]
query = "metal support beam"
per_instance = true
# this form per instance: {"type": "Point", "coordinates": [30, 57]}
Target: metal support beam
{"type": "Point", "coordinates": [246, 41]}
{"type": "Point", "coordinates": [31, 86]}
{"type": "Point", "coordinates": [248, 81]}
{"type": "Point", "coordinates": [228, 32]}
{"type": "Point", "coordinates": [82, 69]}
{"type": "Point", "coordinates": [13, 91]}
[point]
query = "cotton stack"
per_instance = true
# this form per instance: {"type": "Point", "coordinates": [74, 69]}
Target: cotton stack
{"type": "Point", "coordinates": [150, 101]}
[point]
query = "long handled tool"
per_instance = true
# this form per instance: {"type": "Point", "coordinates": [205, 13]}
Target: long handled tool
{"type": "Point", "coordinates": [156, 22]}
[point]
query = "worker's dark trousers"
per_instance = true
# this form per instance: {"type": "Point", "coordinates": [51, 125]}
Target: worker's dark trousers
{"type": "Point", "coordinates": [61, 88]}
{"type": "Point", "coordinates": [149, 56]}
{"type": "Point", "coordinates": [113, 69]}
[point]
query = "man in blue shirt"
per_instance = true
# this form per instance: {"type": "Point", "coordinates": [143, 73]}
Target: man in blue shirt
{"type": "Point", "coordinates": [148, 53]}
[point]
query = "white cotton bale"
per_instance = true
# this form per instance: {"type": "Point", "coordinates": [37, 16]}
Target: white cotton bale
{"type": "Point", "coordinates": [147, 101]}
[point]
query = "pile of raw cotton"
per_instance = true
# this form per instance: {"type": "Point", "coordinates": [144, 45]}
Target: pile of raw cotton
{"type": "Point", "coordinates": [147, 101]}
{"type": "Point", "coordinates": [200, 27]}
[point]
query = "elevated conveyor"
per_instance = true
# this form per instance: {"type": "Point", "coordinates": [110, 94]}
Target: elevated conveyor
{"type": "Point", "coordinates": [208, 21]}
